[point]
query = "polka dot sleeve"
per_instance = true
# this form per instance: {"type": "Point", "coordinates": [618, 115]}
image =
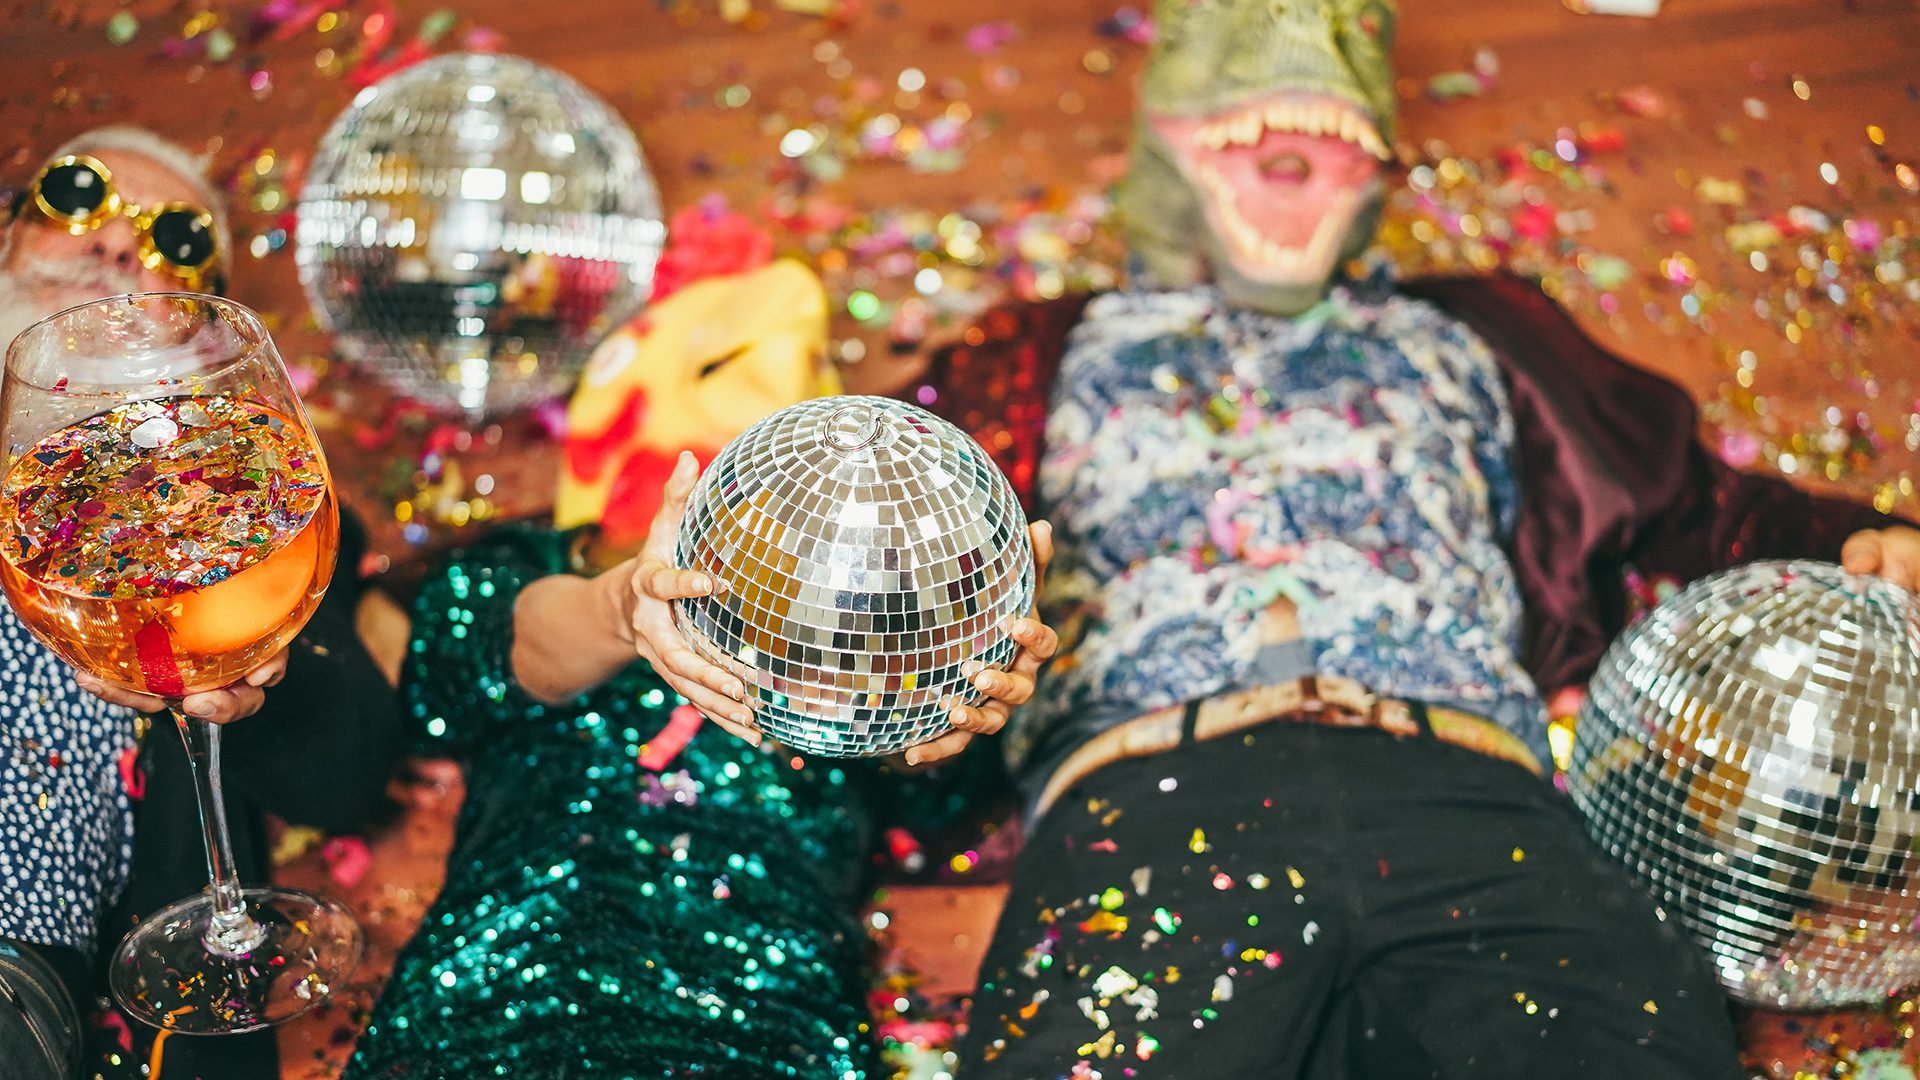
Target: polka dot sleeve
{"type": "Point", "coordinates": [66, 815]}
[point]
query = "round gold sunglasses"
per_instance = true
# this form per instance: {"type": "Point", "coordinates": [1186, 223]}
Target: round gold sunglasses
{"type": "Point", "coordinates": [77, 193]}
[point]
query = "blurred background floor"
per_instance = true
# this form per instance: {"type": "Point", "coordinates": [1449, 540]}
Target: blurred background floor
{"type": "Point", "coordinates": [1726, 192]}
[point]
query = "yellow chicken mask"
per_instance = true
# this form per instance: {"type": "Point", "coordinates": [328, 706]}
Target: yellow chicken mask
{"type": "Point", "coordinates": [696, 368]}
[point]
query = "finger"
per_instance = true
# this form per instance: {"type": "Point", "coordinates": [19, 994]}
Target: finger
{"type": "Point", "coordinates": [1038, 643]}
{"type": "Point", "coordinates": [977, 719]}
{"type": "Point", "coordinates": [1040, 534]}
{"type": "Point", "coordinates": [716, 705]}
{"type": "Point", "coordinates": [939, 749]}
{"type": "Point", "coordinates": [1861, 553]}
{"type": "Point", "coordinates": [659, 581]}
{"type": "Point", "coordinates": [682, 662]}
{"type": "Point", "coordinates": [680, 483]}
{"type": "Point", "coordinates": [1900, 566]}
{"type": "Point", "coordinates": [719, 706]}
{"type": "Point", "coordinates": [224, 706]}
{"type": "Point", "coordinates": [1005, 687]}
{"type": "Point", "coordinates": [750, 736]}
{"type": "Point", "coordinates": [114, 695]}
{"type": "Point", "coordinates": [271, 672]}
{"type": "Point", "coordinates": [673, 504]}
{"type": "Point", "coordinates": [721, 711]}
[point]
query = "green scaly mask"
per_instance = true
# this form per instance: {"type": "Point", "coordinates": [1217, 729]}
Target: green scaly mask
{"type": "Point", "coordinates": [1261, 129]}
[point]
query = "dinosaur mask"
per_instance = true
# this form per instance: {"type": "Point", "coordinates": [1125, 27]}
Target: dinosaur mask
{"type": "Point", "coordinates": [1261, 129]}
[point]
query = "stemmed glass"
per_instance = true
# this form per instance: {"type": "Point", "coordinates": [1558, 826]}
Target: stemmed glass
{"type": "Point", "coordinates": [167, 523]}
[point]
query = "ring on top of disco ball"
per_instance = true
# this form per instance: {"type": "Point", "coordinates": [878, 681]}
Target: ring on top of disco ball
{"type": "Point", "coordinates": [1751, 751]}
{"type": "Point", "coordinates": [866, 554]}
{"type": "Point", "coordinates": [472, 226]}
{"type": "Point", "coordinates": [853, 426]}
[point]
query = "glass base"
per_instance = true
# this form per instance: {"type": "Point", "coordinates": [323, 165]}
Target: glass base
{"type": "Point", "coordinates": [173, 973]}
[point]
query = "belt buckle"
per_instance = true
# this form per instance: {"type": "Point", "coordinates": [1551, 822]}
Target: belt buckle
{"type": "Point", "coordinates": [1312, 706]}
{"type": "Point", "coordinates": [1396, 719]}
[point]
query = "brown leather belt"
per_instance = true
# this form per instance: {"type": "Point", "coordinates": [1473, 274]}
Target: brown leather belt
{"type": "Point", "coordinates": [1326, 700]}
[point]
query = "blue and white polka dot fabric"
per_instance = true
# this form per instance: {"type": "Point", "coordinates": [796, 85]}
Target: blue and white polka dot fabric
{"type": "Point", "coordinates": [66, 819]}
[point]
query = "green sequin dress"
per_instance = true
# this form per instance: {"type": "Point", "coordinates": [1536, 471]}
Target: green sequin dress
{"type": "Point", "coordinates": [600, 919]}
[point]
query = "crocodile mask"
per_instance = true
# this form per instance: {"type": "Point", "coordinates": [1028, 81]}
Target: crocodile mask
{"type": "Point", "coordinates": [1261, 130]}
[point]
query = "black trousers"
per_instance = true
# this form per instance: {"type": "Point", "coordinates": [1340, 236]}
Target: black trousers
{"type": "Point", "coordinates": [1307, 902]}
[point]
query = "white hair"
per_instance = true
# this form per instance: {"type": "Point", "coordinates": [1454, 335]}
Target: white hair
{"type": "Point", "coordinates": [32, 287]}
{"type": "Point", "coordinates": [169, 155]}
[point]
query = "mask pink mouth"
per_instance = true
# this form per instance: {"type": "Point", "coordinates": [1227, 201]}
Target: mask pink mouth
{"type": "Point", "coordinates": [1282, 179]}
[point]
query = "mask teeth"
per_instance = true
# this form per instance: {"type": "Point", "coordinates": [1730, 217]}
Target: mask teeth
{"type": "Point", "coordinates": [1324, 119]}
{"type": "Point", "coordinates": [1256, 248]}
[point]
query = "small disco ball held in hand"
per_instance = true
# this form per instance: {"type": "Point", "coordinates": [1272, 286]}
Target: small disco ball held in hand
{"type": "Point", "coordinates": [865, 555]}
{"type": "Point", "coordinates": [1751, 751]}
{"type": "Point", "coordinates": [472, 226]}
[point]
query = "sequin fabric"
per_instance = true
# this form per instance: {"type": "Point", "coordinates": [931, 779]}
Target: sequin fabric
{"type": "Point", "coordinates": [1203, 463]}
{"type": "Point", "coordinates": [66, 819]}
{"type": "Point", "coordinates": [601, 919]}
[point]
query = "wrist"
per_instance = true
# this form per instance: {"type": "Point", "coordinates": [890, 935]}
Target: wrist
{"type": "Point", "coordinates": [614, 600]}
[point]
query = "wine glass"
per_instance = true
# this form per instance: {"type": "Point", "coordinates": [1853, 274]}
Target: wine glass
{"type": "Point", "coordinates": [167, 524]}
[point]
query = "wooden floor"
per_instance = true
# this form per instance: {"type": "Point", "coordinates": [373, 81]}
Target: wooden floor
{"type": "Point", "coordinates": [1716, 114]}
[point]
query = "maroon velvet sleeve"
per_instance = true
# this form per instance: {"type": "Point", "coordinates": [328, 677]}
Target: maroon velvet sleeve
{"type": "Point", "coordinates": [1612, 473]}
{"type": "Point", "coordinates": [994, 383]}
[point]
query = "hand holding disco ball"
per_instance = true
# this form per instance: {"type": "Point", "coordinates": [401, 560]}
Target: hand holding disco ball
{"type": "Point", "coordinates": [860, 572]}
{"type": "Point", "coordinates": [1751, 752]}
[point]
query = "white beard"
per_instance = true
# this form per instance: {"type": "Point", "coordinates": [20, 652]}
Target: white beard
{"type": "Point", "coordinates": [32, 289]}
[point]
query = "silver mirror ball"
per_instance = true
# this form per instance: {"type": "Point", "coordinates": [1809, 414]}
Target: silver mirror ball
{"type": "Point", "coordinates": [1751, 751]}
{"type": "Point", "coordinates": [866, 555]}
{"type": "Point", "coordinates": [471, 228]}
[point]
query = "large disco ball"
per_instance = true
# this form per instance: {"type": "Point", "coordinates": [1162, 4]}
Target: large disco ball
{"type": "Point", "coordinates": [864, 552]}
{"type": "Point", "coordinates": [1751, 751]}
{"type": "Point", "coordinates": [472, 226]}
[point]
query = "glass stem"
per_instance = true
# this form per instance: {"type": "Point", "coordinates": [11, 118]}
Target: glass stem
{"type": "Point", "coordinates": [232, 931]}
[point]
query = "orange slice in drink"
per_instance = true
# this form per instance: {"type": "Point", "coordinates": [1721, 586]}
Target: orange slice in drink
{"type": "Point", "coordinates": [248, 606]}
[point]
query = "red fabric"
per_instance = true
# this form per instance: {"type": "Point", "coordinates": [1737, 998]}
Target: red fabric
{"type": "Point", "coordinates": [1611, 471]}
{"type": "Point", "coordinates": [158, 667]}
{"type": "Point", "coordinates": [994, 384]}
{"type": "Point", "coordinates": [708, 240]}
{"type": "Point", "coordinates": [637, 490]}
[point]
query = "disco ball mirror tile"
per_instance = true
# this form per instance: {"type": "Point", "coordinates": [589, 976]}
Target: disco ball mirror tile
{"type": "Point", "coordinates": [1751, 752]}
{"type": "Point", "coordinates": [864, 553]}
{"type": "Point", "coordinates": [472, 226]}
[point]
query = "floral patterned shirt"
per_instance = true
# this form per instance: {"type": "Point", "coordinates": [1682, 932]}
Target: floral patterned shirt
{"type": "Point", "coordinates": [1203, 463]}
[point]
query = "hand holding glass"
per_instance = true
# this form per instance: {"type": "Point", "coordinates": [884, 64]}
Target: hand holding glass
{"type": "Point", "coordinates": [167, 524]}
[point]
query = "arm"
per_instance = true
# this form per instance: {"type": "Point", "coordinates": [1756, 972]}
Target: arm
{"type": "Point", "coordinates": [570, 634]}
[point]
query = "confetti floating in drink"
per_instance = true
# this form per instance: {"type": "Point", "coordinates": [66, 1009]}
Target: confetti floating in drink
{"type": "Point", "coordinates": [169, 545]}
